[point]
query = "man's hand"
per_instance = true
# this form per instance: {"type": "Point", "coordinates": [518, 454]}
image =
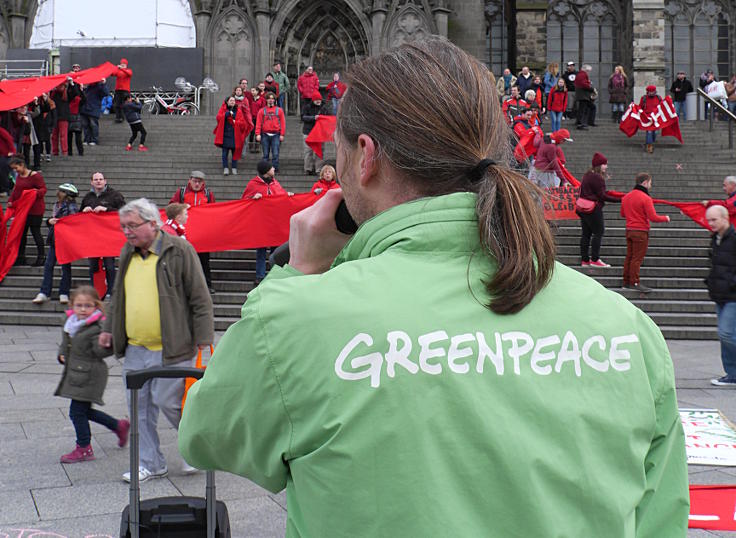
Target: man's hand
{"type": "Point", "coordinates": [289, 193]}
{"type": "Point", "coordinates": [281, 138]}
{"type": "Point", "coordinates": [87, 209]}
{"type": "Point", "coordinates": [668, 218]}
{"type": "Point", "coordinates": [705, 203]}
{"type": "Point", "coordinates": [257, 196]}
{"type": "Point", "coordinates": [100, 209]}
{"type": "Point", "coordinates": [258, 138]}
{"type": "Point", "coordinates": [53, 221]}
{"type": "Point", "coordinates": [318, 190]}
{"type": "Point", "coordinates": [314, 240]}
{"type": "Point", "coordinates": [105, 339]}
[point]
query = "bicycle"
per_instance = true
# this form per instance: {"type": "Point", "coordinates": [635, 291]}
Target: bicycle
{"type": "Point", "coordinates": [181, 105]}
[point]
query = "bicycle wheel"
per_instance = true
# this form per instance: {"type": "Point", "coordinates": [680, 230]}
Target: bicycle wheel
{"type": "Point", "coordinates": [188, 109]}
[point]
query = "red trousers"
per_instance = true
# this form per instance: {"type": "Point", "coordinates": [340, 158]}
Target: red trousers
{"type": "Point", "coordinates": [637, 242]}
{"type": "Point", "coordinates": [59, 135]}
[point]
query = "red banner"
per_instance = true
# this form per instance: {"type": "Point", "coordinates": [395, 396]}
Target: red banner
{"type": "Point", "coordinates": [664, 117]}
{"type": "Point", "coordinates": [238, 224]}
{"type": "Point", "coordinates": [322, 132]}
{"type": "Point", "coordinates": [10, 239]}
{"type": "Point", "coordinates": [560, 204]}
{"type": "Point", "coordinates": [21, 91]}
{"type": "Point", "coordinates": [713, 507]}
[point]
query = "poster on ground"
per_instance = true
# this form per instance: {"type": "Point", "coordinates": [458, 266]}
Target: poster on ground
{"type": "Point", "coordinates": [710, 439]}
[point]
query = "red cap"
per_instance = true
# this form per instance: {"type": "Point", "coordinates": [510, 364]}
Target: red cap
{"type": "Point", "coordinates": [599, 159]}
{"type": "Point", "coordinates": [560, 135]}
{"type": "Point", "coordinates": [651, 88]}
{"type": "Point", "coordinates": [316, 96]}
{"type": "Point", "coordinates": [123, 61]}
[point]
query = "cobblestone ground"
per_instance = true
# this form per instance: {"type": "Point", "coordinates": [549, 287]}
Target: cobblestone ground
{"type": "Point", "coordinates": [85, 500]}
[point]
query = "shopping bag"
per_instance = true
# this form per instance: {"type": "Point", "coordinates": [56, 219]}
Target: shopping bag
{"type": "Point", "coordinates": [189, 381]}
{"type": "Point", "coordinates": [717, 90]}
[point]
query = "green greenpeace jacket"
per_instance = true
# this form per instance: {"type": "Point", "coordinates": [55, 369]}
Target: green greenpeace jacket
{"type": "Point", "coordinates": [390, 402]}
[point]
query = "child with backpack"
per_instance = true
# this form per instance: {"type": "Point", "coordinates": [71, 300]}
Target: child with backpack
{"type": "Point", "coordinates": [132, 111]}
{"type": "Point", "coordinates": [270, 129]}
{"type": "Point", "coordinates": [85, 373]}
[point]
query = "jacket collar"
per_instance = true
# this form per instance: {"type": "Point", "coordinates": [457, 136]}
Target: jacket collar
{"type": "Point", "coordinates": [157, 245]}
{"type": "Point", "coordinates": [419, 225]}
{"type": "Point", "coordinates": [641, 188]}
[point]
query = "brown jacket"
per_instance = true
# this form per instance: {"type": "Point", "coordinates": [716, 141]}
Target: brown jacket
{"type": "Point", "coordinates": [184, 300]}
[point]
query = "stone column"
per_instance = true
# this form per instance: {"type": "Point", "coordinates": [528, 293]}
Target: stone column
{"type": "Point", "coordinates": [467, 26]}
{"type": "Point", "coordinates": [263, 27]}
{"type": "Point", "coordinates": [201, 22]}
{"type": "Point", "coordinates": [378, 18]}
{"type": "Point", "coordinates": [649, 62]}
{"type": "Point", "coordinates": [531, 36]}
{"type": "Point", "coordinates": [441, 14]}
{"type": "Point", "coordinates": [17, 27]}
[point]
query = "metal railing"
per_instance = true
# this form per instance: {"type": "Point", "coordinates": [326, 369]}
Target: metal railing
{"type": "Point", "coordinates": [716, 106]}
{"type": "Point", "coordinates": [23, 68]}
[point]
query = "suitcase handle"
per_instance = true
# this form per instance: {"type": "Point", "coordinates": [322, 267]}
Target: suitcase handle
{"type": "Point", "coordinates": [136, 378]}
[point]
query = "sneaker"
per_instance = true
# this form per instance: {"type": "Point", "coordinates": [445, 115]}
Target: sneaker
{"type": "Point", "coordinates": [599, 263]}
{"type": "Point", "coordinates": [128, 147]}
{"type": "Point", "coordinates": [642, 288]}
{"type": "Point", "coordinates": [81, 453]}
{"type": "Point", "coordinates": [724, 381]}
{"type": "Point", "coordinates": [85, 143]}
{"type": "Point", "coordinates": [40, 298]}
{"type": "Point", "coordinates": [234, 171]}
{"type": "Point", "coordinates": [584, 263]}
{"type": "Point", "coordinates": [48, 158]}
{"type": "Point", "coordinates": [142, 148]}
{"type": "Point", "coordinates": [123, 431]}
{"type": "Point", "coordinates": [225, 172]}
{"type": "Point", "coordinates": [144, 474]}
{"type": "Point", "coordinates": [93, 143]}
{"type": "Point", "coordinates": [63, 298]}
{"type": "Point", "coordinates": [188, 469]}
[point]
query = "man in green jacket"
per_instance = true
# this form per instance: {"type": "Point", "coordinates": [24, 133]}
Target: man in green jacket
{"type": "Point", "coordinates": [439, 373]}
{"type": "Point", "coordinates": [284, 84]}
{"type": "Point", "coordinates": [160, 312]}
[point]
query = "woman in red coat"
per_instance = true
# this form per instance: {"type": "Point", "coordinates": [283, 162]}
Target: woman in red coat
{"type": "Point", "coordinates": [25, 180]}
{"type": "Point", "coordinates": [233, 125]}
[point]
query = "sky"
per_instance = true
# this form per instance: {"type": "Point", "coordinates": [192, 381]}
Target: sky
{"type": "Point", "coordinates": [113, 23]}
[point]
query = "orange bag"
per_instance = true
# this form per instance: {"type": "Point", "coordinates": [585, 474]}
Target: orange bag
{"type": "Point", "coordinates": [189, 381]}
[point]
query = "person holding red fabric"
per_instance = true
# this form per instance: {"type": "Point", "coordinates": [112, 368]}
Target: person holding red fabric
{"type": "Point", "coordinates": [523, 122]}
{"type": "Point", "coordinates": [26, 180]}
{"type": "Point", "coordinates": [122, 88]}
{"type": "Point", "coordinates": [7, 148]}
{"type": "Point", "coordinates": [307, 84]}
{"type": "Point", "coordinates": [547, 170]}
{"type": "Point", "coordinates": [310, 113]}
{"type": "Point", "coordinates": [729, 187]}
{"type": "Point", "coordinates": [335, 91]}
{"type": "Point", "coordinates": [233, 125]}
{"type": "Point", "coordinates": [61, 95]}
{"type": "Point", "coordinates": [557, 104]}
{"type": "Point", "coordinates": [74, 134]}
{"type": "Point", "coordinates": [593, 188]}
{"type": "Point", "coordinates": [514, 105]}
{"type": "Point", "coordinates": [327, 180]}
{"type": "Point", "coordinates": [264, 184]}
{"type": "Point", "coordinates": [649, 103]}
{"type": "Point", "coordinates": [270, 129]}
{"type": "Point", "coordinates": [637, 208]}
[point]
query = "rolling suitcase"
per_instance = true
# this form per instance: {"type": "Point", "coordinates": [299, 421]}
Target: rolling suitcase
{"type": "Point", "coordinates": [180, 517]}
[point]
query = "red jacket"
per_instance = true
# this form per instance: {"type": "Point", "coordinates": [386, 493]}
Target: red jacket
{"type": "Point", "coordinates": [325, 185]}
{"type": "Point", "coordinates": [729, 204]}
{"type": "Point", "coordinates": [307, 84]}
{"type": "Point", "coordinates": [192, 197]}
{"type": "Point", "coordinates": [582, 80]}
{"type": "Point", "coordinates": [271, 120]}
{"type": "Point", "coordinates": [74, 105]}
{"type": "Point", "coordinates": [7, 144]}
{"type": "Point", "coordinates": [557, 100]}
{"type": "Point", "coordinates": [122, 79]}
{"type": "Point", "coordinates": [172, 227]}
{"type": "Point", "coordinates": [516, 105]}
{"type": "Point", "coordinates": [257, 185]}
{"type": "Point", "coordinates": [638, 209]}
{"type": "Point", "coordinates": [272, 86]}
{"type": "Point", "coordinates": [33, 181]}
{"type": "Point", "coordinates": [335, 90]}
{"type": "Point", "coordinates": [242, 125]}
{"type": "Point", "coordinates": [649, 104]}
{"type": "Point", "coordinates": [255, 106]}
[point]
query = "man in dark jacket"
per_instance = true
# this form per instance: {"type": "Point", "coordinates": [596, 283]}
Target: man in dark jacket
{"type": "Point", "coordinates": [583, 96]}
{"type": "Point", "coordinates": [311, 111]}
{"type": "Point", "coordinates": [160, 313]}
{"type": "Point", "coordinates": [721, 284]}
{"type": "Point", "coordinates": [91, 110]}
{"type": "Point", "coordinates": [100, 199]}
{"type": "Point", "coordinates": [681, 86]}
{"type": "Point", "coordinates": [569, 77]}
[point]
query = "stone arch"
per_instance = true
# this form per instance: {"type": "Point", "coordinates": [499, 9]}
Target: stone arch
{"type": "Point", "coordinates": [407, 22]}
{"type": "Point", "coordinates": [232, 50]}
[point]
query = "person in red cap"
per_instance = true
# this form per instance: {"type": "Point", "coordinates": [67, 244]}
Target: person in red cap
{"type": "Point", "coordinates": [593, 189]}
{"type": "Point", "coordinates": [547, 170]}
{"type": "Point", "coordinates": [310, 112]}
{"type": "Point", "coordinates": [649, 103]}
{"type": "Point", "coordinates": [637, 208]}
{"type": "Point", "coordinates": [122, 88]}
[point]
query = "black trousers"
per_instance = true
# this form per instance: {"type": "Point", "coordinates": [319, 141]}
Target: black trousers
{"type": "Point", "coordinates": [593, 228]}
{"type": "Point", "coordinates": [583, 112]}
{"type": "Point", "coordinates": [34, 223]}
{"type": "Point", "coordinates": [135, 129]}
{"type": "Point", "coordinates": [204, 260]}
{"type": "Point", "coordinates": [117, 103]}
{"type": "Point", "coordinates": [77, 137]}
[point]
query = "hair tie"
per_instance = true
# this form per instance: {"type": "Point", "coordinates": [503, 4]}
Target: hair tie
{"type": "Point", "coordinates": [476, 173]}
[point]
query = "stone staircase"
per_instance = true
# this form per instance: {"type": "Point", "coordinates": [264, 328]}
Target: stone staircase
{"type": "Point", "coordinates": [675, 265]}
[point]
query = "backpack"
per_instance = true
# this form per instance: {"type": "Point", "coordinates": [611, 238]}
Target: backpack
{"type": "Point", "coordinates": [207, 193]}
{"type": "Point", "coordinates": [275, 114]}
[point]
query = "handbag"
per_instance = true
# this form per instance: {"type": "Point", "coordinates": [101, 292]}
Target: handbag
{"type": "Point", "coordinates": [583, 205]}
{"type": "Point", "coordinates": [189, 381]}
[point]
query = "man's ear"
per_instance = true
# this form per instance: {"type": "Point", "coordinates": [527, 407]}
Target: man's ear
{"type": "Point", "coordinates": [368, 159]}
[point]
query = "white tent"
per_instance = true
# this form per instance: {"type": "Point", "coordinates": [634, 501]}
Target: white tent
{"type": "Point", "coordinates": [111, 23]}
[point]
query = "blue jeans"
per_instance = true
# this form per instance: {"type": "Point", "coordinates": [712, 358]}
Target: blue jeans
{"type": "Point", "coordinates": [680, 109]}
{"type": "Point", "coordinates": [270, 144]}
{"type": "Point", "coordinates": [225, 152]}
{"type": "Point", "coordinates": [556, 119]}
{"type": "Point", "coordinates": [48, 275]}
{"type": "Point", "coordinates": [91, 128]}
{"type": "Point", "coordinates": [651, 137]}
{"type": "Point", "coordinates": [335, 103]}
{"type": "Point", "coordinates": [280, 100]}
{"type": "Point", "coordinates": [108, 263]}
{"type": "Point", "coordinates": [261, 256]}
{"type": "Point", "coordinates": [727, 335]}
{"type": "Point", "coordinates": [81, 413]}
{"type": "Point", "coordinates": [617, 107]}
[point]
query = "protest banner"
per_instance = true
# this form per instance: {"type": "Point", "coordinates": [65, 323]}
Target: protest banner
{"type": "Point", "coordinates": [709, 438]}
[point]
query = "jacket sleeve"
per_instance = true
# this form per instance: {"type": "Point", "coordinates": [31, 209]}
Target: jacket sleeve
{"type": "Point", "coordinates": [252, 438]}
{"type": "Point", "coordinates": [98, 351]}
{"type": "Point", "coordinates": [283, 121]}
{"type": "Point", "coordinates": [259, 121]}
{"type": "Point", "coordinates": [64, 342]}
{"type": "Point", "coordinates": [652, 213]}
{"type": "Point", "coordinates": [663, 509]}
{"type": "Point", "coordinates": [200, 300]}
{"type": "Point", "coordinates": [40, 185]}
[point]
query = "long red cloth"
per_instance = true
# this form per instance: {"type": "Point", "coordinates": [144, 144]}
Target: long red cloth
{"type": "Point", "coordinates": [238, 224]}
{"type": "Point", "coordinates": [713, 507]}
{"type": "Point", "coordinates": [10, 238]}
{"type": "Point", "coordinates": [664, 117]}
{"type": "Point", "coordinates": [21, 91]}
{"type": "Point", "coordinates": [322, 131]}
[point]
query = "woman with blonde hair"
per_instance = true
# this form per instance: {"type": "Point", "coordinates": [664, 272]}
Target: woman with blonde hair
{"type": "Point", "coordinates": [327, 180]}
{"type": "Point", "coordinates": [550, 77]}
{"type": "Point", "coordinates": [618, 89]}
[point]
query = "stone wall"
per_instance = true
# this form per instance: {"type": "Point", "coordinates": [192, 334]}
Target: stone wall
{"type": "Point", "coordinates": [531, 40]}
{"type": "Point", "coordinates": [649, 63]}
{"type": "Point", "coordinates": [466, 26]}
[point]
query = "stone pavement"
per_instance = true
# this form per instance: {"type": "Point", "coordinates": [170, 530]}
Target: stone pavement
{"type": "Point", "coordinates": [85, 500]}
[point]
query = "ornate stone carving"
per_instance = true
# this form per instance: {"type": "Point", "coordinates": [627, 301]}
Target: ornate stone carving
{"type": "Point", "coordinates": [233, 29]}
{"type": "Point", "coordinates": [491, 10]}
{"type": "Point", "coordinates": [410, 26]}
